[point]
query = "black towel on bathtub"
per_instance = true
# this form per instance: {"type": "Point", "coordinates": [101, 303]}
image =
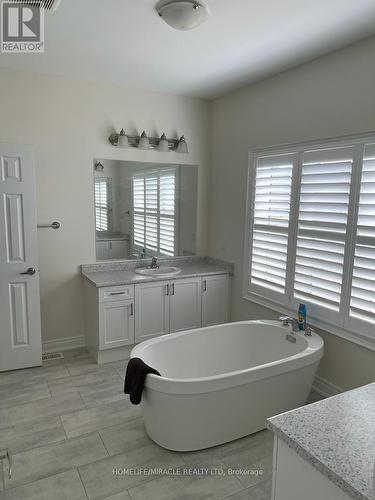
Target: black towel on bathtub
{"type": "Point", "coordinates": [136, 373]}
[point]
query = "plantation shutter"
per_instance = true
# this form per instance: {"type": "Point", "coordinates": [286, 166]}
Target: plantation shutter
{"type": "Point", "coordinates": [362, 303]}
{"type": "Point", "coordinates": [139, 211]}
{"type": "Point", "coordinates": [269, 242]}
{"type": "Point", "coordinates": [322, 221]}
{"type": "Point", "coordinates": [154, 212]}
{"type": "Point", "coordinates": [102, 204]}
{"type": "Point", "coordinates": [167, 213]}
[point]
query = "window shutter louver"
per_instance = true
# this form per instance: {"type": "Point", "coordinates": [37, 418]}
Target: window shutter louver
{"type": "Point", "coordinates": [273, 181]}
{"type": "Point", "coordinates": [362, 303]}
{"type": "Point", "coordinates": [102, 204]}
{"type": "Point", "coordinates": [311, 233]}
{"type": "Point", "coordinates": [322, 221]}
{"type": "Point", "coordinates": [155, 212]}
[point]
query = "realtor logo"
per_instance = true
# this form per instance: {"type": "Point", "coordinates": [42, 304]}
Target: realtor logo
{"type": "Point", "coordinates": [22, 28]}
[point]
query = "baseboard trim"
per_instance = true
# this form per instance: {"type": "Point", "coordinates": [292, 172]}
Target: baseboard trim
{"type": "Point", "coordinates": [63, 344]}
{"type": "Point", "coordinates": [326, 388]}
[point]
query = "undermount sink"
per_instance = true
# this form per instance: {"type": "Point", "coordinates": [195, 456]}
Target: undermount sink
{"type": "Point", "coordinates": [159, 272]}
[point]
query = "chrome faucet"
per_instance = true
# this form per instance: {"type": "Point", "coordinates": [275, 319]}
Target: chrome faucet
{"type": "Point", "coordinates": [287, 320]}
{"type": "Point", "coordinates": [154, 263]}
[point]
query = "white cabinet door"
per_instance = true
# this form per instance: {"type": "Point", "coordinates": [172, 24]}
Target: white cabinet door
{"type": "Point", "coordinates": [215, 300]}
{"type": "Point", "coordinates": [185, 304]}
{"type": "Point", "coordinates": [152, 310]}
{"type": "Point", "coordinates": [119, 249]}
{"type": "Point", "coordinates": [102, 250]}
{"type": "Point", "coordinates": [20, 333]}
{"type": "Point", "coordinates": [116, 323]}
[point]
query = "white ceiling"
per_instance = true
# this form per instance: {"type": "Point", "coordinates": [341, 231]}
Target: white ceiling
{"type": "Point", "coordinates": [125, 42]}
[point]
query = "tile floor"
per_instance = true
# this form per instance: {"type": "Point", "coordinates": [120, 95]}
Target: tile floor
{"type": "Point", "coordinates": [73, 434]}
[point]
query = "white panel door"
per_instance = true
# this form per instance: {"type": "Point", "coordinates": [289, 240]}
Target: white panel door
{"type": "Point", "coordinates": [152, 304]}
{"type": "Point", "coordinates": [116, 324]}
{"type": "Point", "coordinates": [215, 300]}
{"type": "Point", "coordinates": [185, 304]}
{"type": "Point", "coordinates": [20, 332]}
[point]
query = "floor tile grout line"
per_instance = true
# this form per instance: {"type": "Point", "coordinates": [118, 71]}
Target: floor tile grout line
{"type": "Point", "coordinates": [102, 428]}
{"type": "Point", "coordinates": [60, 471]}
{"type": "Point", "coordinates": [28, 483]}
{"type": "Point", "coordinates": [26, 402]}
{"type": "Point", "coordinates": [102, 440]}
{"type": "Point", "coordinates": [57, 443]}
{"type": "Point", "coordinates": [83, 484]}
{"type": "Point", "coordinates": [248, 488]}
{"type": "Point", "coordinates": [63, 428]}
{"type": "Point", "coordinates": [39, 418]}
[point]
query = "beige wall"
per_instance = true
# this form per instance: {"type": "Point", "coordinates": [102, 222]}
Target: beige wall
{"type": "Point", "coordinates": [68, 122]}
{"type": "Point", "coordinates": [331, 96]}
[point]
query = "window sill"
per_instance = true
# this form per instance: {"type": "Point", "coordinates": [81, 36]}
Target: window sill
{"type": "Point", "coordinates": [356, 338]}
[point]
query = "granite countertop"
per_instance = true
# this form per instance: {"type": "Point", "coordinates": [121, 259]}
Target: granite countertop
{"type": "Point", "coordinates": [122, 273]}
{"type": "Point", "coordinates": [337, 436]}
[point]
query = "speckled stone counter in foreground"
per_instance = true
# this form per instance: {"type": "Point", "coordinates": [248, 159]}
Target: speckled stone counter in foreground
{"type": "Point", "coordinates": [337, 436]}
{"type": "Point", "coordinates": [123, 272]}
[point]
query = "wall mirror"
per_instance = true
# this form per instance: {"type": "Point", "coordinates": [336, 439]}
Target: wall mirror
{"type": "Point", "coordinates": [144, 209]}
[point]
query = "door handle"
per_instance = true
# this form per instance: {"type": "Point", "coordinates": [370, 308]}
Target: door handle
{"type": "Point", "coordinates": [167, 291]}
{"type": "Point", "coordinates": [30, 271]}
{"type": "Point", "coordinates": [172, 289]}
{"type": "Point", "coordinates": [131, 309]}
{"type": "Point", "coordinates": [204, 285]}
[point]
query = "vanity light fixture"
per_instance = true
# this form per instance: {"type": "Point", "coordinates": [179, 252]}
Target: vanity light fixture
{"type": "Point", "coordinates": [123, 141]}
{"type": "Point", "coordinates": [182, 145]}
{"type": "Point", "coordinates": [144, 143]}
{"type": "Point", "coordinates": [99, 167]}
{"type": "Point", "coordinates": [163, 143]}
{"type": "Point", "coordinates": [182, 15]}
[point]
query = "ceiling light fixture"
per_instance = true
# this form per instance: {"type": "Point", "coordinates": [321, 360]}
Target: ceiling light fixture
{"type": "Point", "coordinates": [182, 15]}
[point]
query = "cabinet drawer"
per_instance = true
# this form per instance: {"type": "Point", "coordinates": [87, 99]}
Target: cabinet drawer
{"type": "Point", "coordinates": [113, 293]}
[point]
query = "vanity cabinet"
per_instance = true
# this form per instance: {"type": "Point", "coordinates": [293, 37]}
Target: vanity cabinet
{"type": "Point", "coordinates": [116, 316]}
{"type": "Point", "coordinates": [294, 478]}
{"type": "Point", "coordinates": [167, 307]}
{"type": "Point", "coordinates": [124, 315]}
{"type": "Point", "coordinates": [152, 318]}
{"type": "Point", "coordinates": [112, 249]}
{"type": "Point", "coordinates": [116, 324]}
{"type": "Point", "coordinates": [215, 299]}
{"type": "Point", "coordinates": [185, 304]}
{"type": "Point", "coordinates": [173, 306]}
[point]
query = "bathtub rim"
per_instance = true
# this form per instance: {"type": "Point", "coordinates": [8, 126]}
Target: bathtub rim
{"type": "Point", "coordinates": [311, 354]}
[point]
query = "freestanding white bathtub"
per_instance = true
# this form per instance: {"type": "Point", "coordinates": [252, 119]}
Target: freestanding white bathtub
{"type": "Point", "coordinates": [222, 382]}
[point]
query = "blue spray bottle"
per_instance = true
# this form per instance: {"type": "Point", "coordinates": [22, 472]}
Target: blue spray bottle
{"type": "Point", "coordinates": [302, 316]}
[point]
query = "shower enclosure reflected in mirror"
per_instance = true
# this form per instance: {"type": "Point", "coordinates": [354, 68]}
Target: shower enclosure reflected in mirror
{"type": "Point", "coordinates": [144, 209]}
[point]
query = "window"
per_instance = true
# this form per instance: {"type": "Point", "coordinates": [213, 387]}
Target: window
{"type": "Point", "coordinates": [154, 212]}
{"type": "Point", "coordinates": [311, 228]}
{"type": "Point", "coordinates": [103, 203]}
